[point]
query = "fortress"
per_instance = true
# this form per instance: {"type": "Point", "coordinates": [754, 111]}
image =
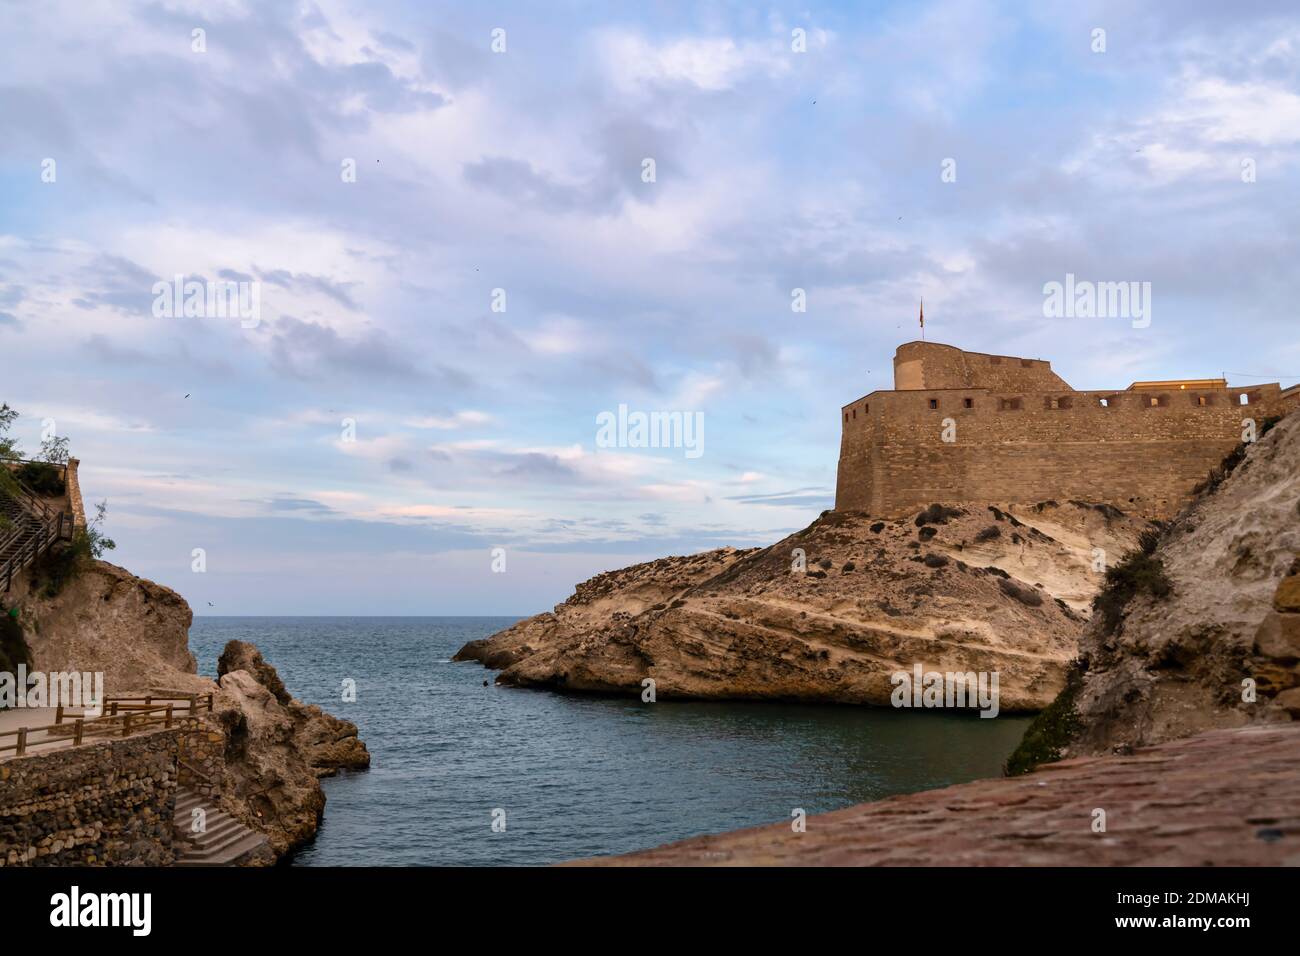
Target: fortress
{"type": "Point", "coordinates": [969, 427]}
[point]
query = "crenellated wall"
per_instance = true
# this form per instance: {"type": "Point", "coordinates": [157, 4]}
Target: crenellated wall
{"type": "Point", "coordinates": [902, 450]}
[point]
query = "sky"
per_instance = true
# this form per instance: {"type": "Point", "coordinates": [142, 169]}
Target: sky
{"type": "Point", "coordinates": [462, 258]}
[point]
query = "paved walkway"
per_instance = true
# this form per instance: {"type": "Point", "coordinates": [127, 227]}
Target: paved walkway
{"type": "Point", "coordinates": [37, 742]}
{"type": "Point", "coordinates": [1223, 798]}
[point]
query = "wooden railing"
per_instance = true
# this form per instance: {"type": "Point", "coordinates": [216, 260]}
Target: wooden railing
{"type": "Point", "coordinates": [122, 717]}
{"type": "Point", "coordinates": [24, 544]}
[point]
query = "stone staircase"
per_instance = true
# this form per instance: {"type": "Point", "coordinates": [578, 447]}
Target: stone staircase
{"type": "Point", "coordinates": [35, 528]}
{"type": "Point", "coordinates": [224, 842]}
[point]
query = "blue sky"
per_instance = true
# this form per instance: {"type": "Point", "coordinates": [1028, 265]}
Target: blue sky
{"type": "Point", "coordinates": [522, 170]}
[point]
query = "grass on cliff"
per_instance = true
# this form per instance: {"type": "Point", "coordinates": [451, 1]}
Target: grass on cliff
{"type": "Point", "coordinates": [1052, 730]}
{"type": "Point", "coordinates": [1138, 572]}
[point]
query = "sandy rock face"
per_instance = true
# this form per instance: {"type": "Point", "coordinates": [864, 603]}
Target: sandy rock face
{"type": "Point", "coordinates": [327, 743]}
{"type": "Point", "coordinates": [106, 619]}
{"type": "Point", "coordinates": [1000, 589]}
{"type": "Point", "coordinates": [276, 749]}
{"type": "Point", "coordinates": [1175, 666]}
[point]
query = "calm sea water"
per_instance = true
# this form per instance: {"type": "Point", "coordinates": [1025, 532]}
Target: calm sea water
{"type": "Point", "coordinates": [577, 776]}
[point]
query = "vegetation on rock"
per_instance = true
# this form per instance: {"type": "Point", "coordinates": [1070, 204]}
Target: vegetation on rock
{"type": "Point", "coordinates": [1139, 571]}
{"type": "Point", "coordinates": [13, 646]}
{"type": "Point", "coordinates": [1052, 730]}
{"type": "Point", "coordinates": [56, 568]}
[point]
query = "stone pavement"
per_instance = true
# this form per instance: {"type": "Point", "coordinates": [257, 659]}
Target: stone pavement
{"type": "Point", "coordinates": [37, 741]}
{"type": "Point", "coordinates": [1222, 798]}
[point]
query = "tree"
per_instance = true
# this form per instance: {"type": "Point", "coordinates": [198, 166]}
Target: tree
{"type": "Point", "coordinates": [54, 450]}
{"type": "Point", "coordinates": [8, 449]}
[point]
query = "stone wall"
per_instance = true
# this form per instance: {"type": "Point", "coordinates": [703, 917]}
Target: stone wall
{"type": "Point", "coordinates": [107, 803]}
{"type": "Point", "coordinates": [73, 482]}
{"type": "Point", "coordinates": [932, 365]}
{"type": "Point", "coordinates": [1030, 446]}
{"type": "Point", "coordinates": [201, 762]}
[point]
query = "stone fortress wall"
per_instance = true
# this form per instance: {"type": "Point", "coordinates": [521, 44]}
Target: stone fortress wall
{"type": "Point", "coordinates": [1021, 434]}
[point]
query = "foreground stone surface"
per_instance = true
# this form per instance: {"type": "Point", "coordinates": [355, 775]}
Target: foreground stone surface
{"type": "Point", "coordinates": [984, 589]}
{"type": "Point", "coordinates": [1223, 798]}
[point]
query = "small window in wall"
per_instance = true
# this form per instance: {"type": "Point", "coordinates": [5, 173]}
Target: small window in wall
{"type": "Point", "coordinates": [969, 402]}
{"type": "Point", "coordinates": [855, 413]}
{"type": "Point", "coordinates": [1158, 401]}
{"type": "Point", "coordinates": [1245, 399]}
{"type": "Point", "coordinates": [1104, 402]}
{"type": "Point", "coordinates": [846, 418]}
{"type": "Point", "coordinates": [934, 403]}
{"type": "Point", "coordinates": [866, 408]}
{"type": "Point", "coordinates": [1009, 404]}
{"type": "Point", "coordinates": [1202, 400]}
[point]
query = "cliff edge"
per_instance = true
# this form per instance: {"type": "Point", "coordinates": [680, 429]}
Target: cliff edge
{"type": "Point", "coordinates": [1201, 627]}
{"type": "Point", "coordinates": [829, 613]}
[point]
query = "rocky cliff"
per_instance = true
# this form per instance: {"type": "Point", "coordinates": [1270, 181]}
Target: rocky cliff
{"type": "Point", "coordinates": [829, 613]}
{"type": "Point", "coordinates": [1202, 628]}
{"type": "Point", "coordinates": [272, 749]}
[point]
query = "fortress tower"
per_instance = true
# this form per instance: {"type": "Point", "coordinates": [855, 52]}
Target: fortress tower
{"type": "Point", "coordinates": [977, 428]}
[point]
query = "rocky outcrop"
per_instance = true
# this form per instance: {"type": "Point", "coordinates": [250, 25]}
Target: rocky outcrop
{"type": "Point", "coordinates": [106, 619]}
{"type": "Point", "coordinates": [1223, 798]}
{"type": "Point", "coordinates": [830, 613]}
{"type": "Point", "coordinates": [270, 749]}
{"type": "Point", "coordinates": [327, 743]}
{"type": "Point", "coordinates": [1222, 647]}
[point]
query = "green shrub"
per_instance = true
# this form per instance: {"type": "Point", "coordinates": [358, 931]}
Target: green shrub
{"type": "Point", "coordinates": [57, 567]}
{"type": "Point", "coordinates": [41, 477]}
{"type": "Point", "coordinates": [13, 646]}
{"type": "Point", "coordinates": [1051, 730]}
{"type": "Point", "coordinates": [1137, 572]}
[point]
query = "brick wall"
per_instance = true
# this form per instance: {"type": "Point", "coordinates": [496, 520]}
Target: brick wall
{"type": "Point", "coordinates": [105, 803]}
{"type": "Point", "coordinates": [73, 482]}
{"type": "Point", "coordinates": [919, 365]}
{"type": "Point", "coordinates": [1030, 446]}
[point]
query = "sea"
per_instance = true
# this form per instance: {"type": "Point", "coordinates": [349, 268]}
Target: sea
{"type": "Point", "coordinates": [464, 772]}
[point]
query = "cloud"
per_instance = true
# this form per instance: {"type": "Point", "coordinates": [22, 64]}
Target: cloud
{"type": "Point", "coordinates": [709, 64]}
{"type": "Point", "coordinates": [313, 350]}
